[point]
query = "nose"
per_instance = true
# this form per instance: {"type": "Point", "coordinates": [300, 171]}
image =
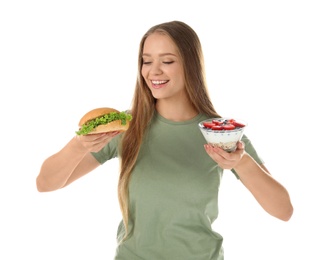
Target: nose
{"type": "Point", "coordinates": [155, 69]}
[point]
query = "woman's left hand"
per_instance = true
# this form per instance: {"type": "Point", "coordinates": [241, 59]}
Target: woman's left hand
{"type": "Point", "coordinates": [225, 159]}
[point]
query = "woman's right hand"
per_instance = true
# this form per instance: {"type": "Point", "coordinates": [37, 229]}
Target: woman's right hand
{"type": "Point", "coordinates": [95, 142]}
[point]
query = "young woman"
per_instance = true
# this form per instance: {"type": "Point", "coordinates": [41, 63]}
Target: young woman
{"type": "Point", "coordinates": [169, 177]}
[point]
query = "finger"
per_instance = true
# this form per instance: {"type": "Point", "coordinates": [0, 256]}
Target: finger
{"type": "Point", "coordinates": [99, 136]}
{"type": "Point", "coordinates": [97, 145]}
{"type": "Point", "coordinates": [229, 156]}
{"type": "Point", "coordinates": [217, 154]}
{"type": "Point", "coordinates": [103, 139]}
{"type": "Point", "coordinates": [240, 145]}
{"type": "Point", "coordinates": [224, 159]}
{"type": "Point", "coordinates": [95, 142]}
{"type": "Point", "coordinates": [90, 137]}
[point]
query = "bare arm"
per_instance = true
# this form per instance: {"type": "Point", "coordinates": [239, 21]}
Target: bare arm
{"type": "Point", "coordinates": [73, 161]}
{"type": "Point", "coordinates": [269, 193]}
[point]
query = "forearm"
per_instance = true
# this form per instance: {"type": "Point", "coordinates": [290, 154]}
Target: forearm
{"type": "Point", "coordinates": [57, 169]}
{"type": "Point", "coordinates": [269, 193]}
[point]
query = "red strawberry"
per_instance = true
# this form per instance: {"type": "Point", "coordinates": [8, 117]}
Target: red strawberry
{"type": "Point", "coordinates": [228, 127]}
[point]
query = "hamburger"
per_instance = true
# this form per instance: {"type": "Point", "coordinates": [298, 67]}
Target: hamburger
{"type": "Point", "coordinates": [103, 120]}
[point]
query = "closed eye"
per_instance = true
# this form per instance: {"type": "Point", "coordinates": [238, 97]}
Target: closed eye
{"type": "Point", "coordinates": [164, 62]}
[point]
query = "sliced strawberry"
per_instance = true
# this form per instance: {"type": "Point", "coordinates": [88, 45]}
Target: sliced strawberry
{"type": "Point", "coordinates": [228, 127]}
{"type": "Point", "coordinates": [217, 122]}
{"type": "Point", "coordinates": [209, 124]}
{"type": "Point", "coordinates": [238, 124]}
{"type": "Point", "coordinates": [218, 127]}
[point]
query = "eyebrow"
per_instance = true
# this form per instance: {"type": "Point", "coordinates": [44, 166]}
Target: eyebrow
{"type": "Point", "coordinates": [160, 55]}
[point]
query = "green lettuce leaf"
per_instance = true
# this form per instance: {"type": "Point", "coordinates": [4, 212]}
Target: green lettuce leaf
{"type": "Point", "coordinates": [105, 119]}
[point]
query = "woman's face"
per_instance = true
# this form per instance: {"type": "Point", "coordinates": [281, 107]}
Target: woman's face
{"type": "Point", "coordinates": [162, 68]}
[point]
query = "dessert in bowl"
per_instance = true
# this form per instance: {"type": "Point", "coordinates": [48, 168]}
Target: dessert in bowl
{"type": "Point", "coordinates": [223, 132]}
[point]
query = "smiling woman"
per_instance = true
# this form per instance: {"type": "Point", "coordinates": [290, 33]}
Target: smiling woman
{"type": "Point", "coordinates": [163, 67]}
{"type": "Point", "coordinates": [169, 176]}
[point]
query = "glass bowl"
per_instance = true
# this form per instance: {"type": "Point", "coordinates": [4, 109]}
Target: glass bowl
{"type": "Point", "coordinates": [223, 132]}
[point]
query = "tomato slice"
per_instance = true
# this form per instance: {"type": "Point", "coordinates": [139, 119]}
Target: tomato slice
{"type": "Point", "coordinates": [209, 124]}
{"type": "Point", "coordinates": [228, 127]}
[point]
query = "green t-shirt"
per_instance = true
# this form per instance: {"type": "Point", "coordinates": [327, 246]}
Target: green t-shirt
{"type": "Point", "coordinates": [173, 194]}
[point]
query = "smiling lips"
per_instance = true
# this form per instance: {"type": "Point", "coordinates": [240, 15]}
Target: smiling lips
{"type": "Point", "coordinates": [156, 84]}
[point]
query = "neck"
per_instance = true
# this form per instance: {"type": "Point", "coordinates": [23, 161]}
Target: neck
{"type": "Point", "coordinates": [181, 111]}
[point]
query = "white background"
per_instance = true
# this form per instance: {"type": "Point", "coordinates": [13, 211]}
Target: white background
{"type": "Point", "coordinates": [270, 63]}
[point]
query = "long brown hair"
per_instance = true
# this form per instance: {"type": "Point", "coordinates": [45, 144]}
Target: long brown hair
{"type": "Point", "coordinates": [143, 103]}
